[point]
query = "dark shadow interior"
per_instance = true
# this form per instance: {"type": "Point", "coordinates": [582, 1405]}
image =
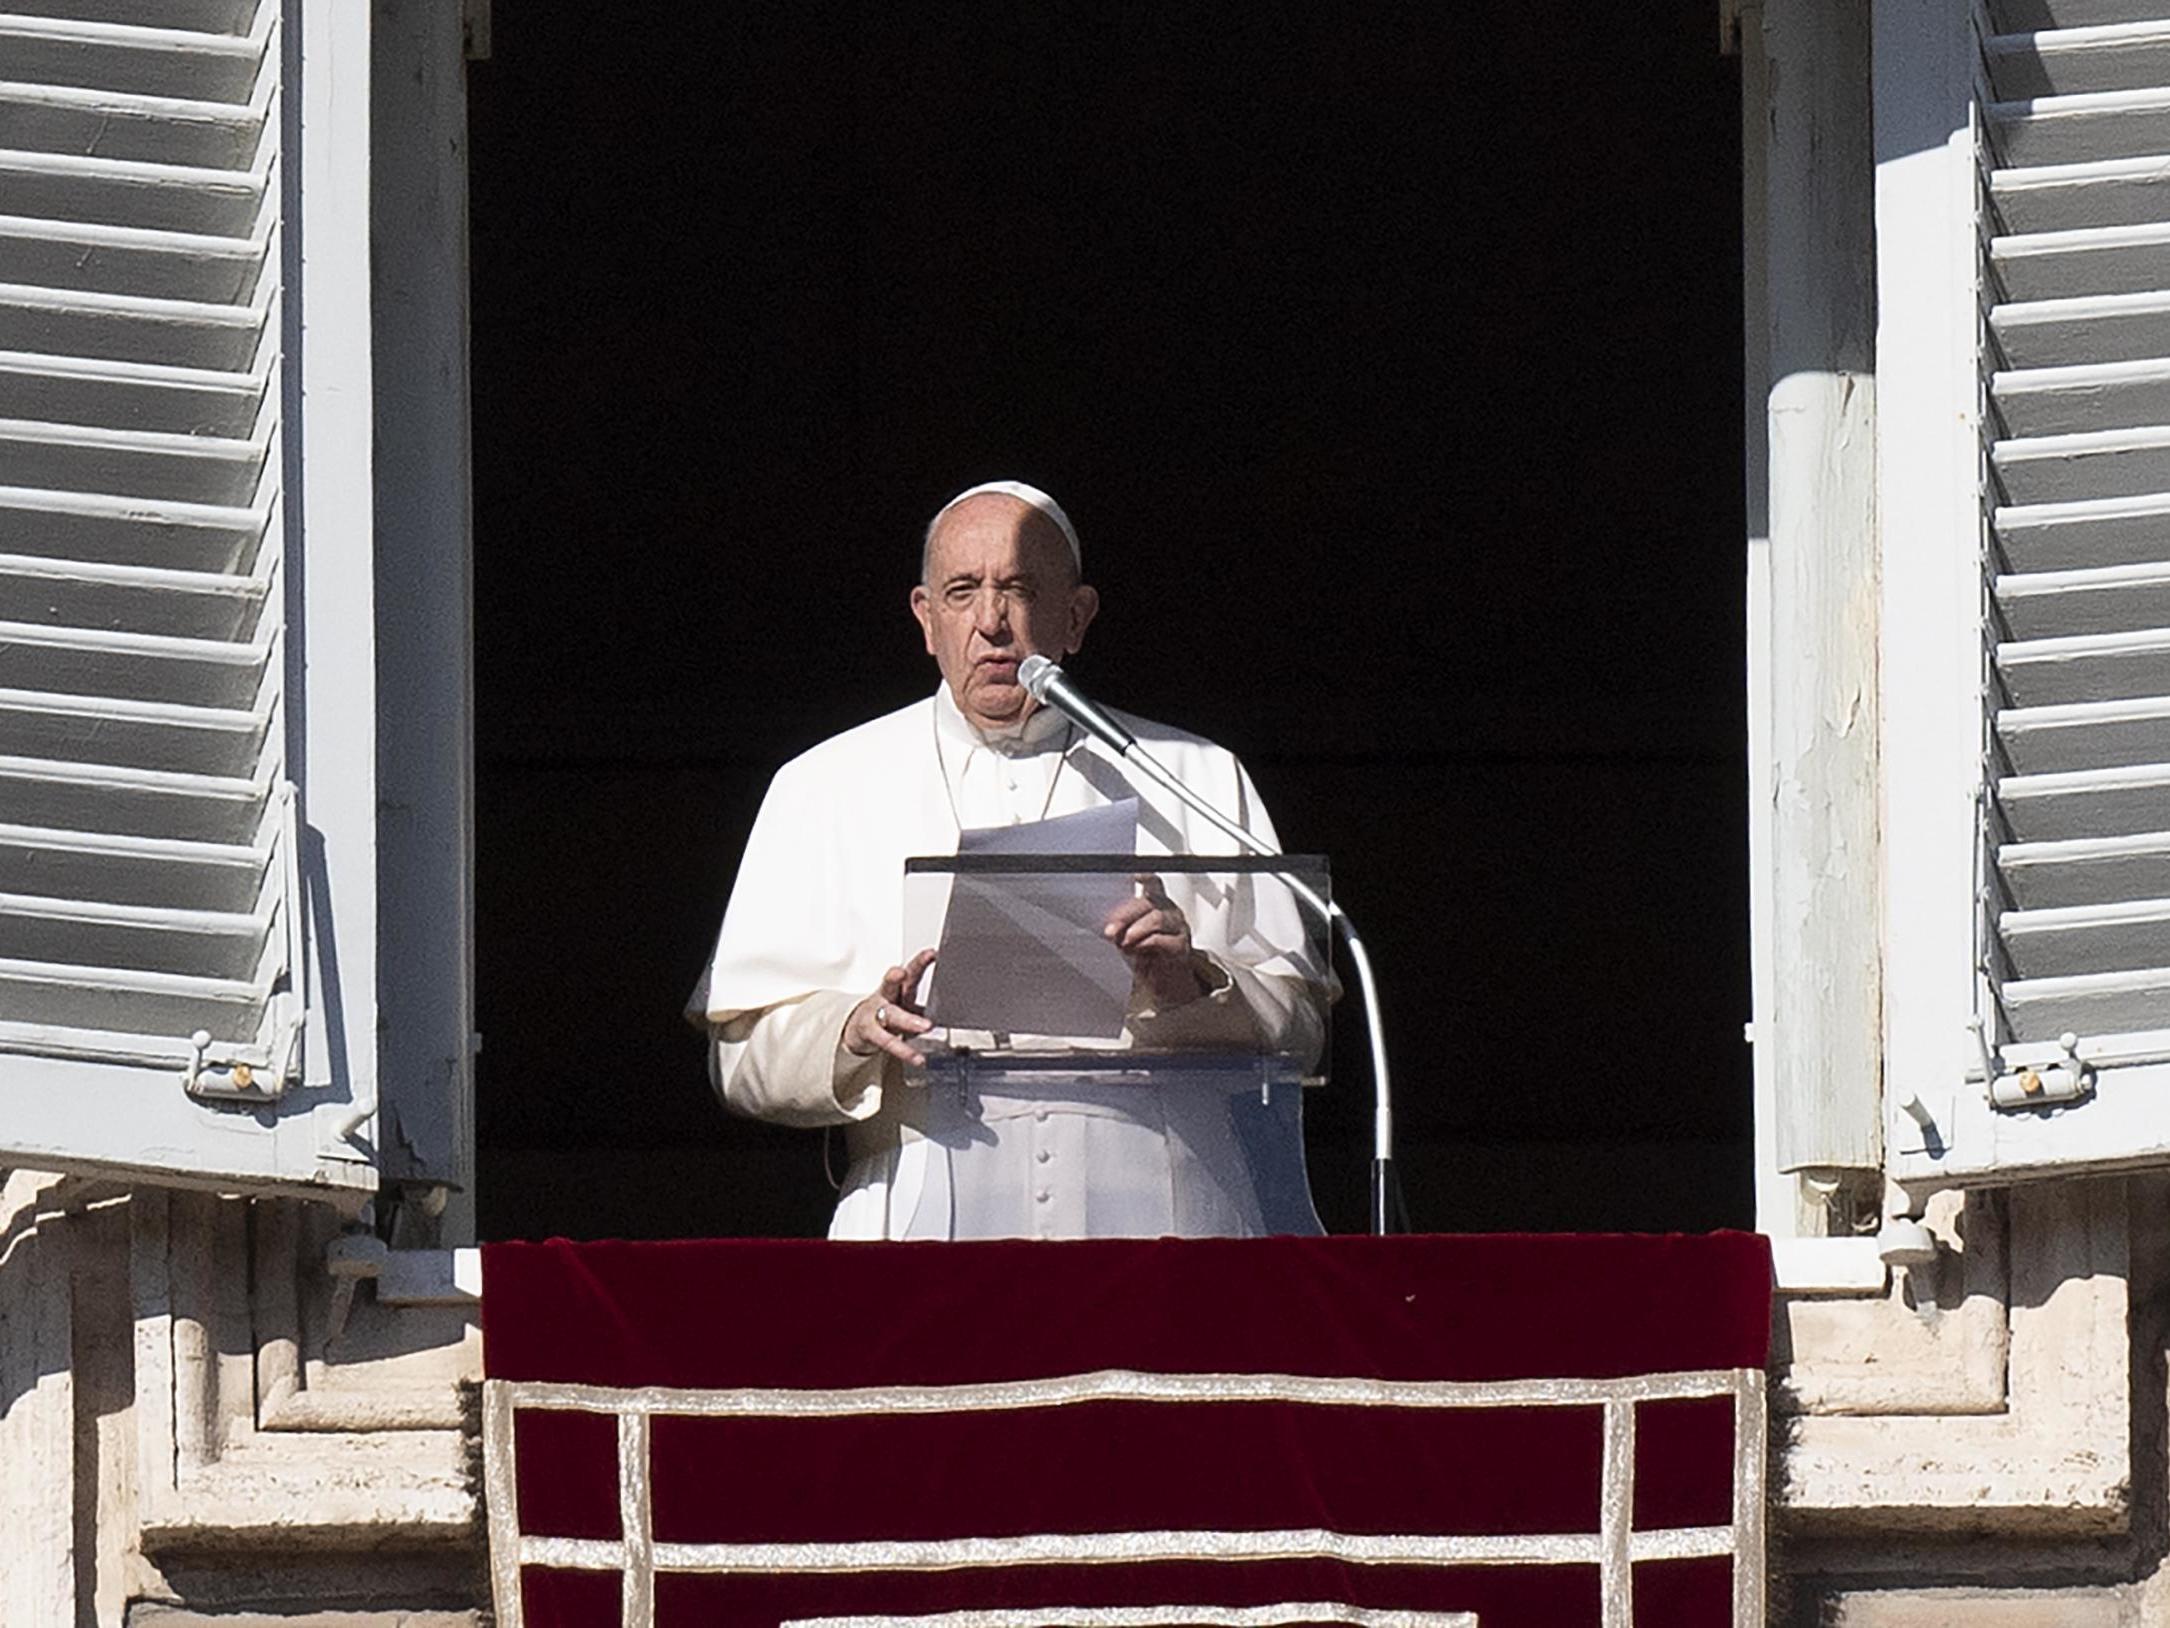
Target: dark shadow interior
{"type": "Point", "coordinates": [1388, 360]}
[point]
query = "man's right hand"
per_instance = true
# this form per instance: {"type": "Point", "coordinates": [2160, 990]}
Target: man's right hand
{"type": "Point", "coordinates": [884, 1018]}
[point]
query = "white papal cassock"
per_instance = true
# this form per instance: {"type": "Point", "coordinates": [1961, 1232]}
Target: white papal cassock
{"type": "Point", "coordinates": [817, 916]}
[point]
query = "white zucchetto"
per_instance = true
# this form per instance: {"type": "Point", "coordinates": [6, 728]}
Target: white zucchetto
{"type": "Point", "coordinates": [1024, 494]}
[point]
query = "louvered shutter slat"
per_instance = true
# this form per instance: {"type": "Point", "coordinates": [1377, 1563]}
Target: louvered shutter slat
{"type": "Point", "coordinates": [195, 672]}
{"type": "Point", "coordinates": [220, 944]}
{"type": "Point", "coordinates": [129, 733]}
{"type": "Point", "coordinates": [2091, 803]}
{"type": "Point", "coordinates": [115, 998]}
{"type": "Point", "coordinates": [104, 798]}
{"type": "Point", "coordinates": [2108, 260]}
{"type": "Point", "coordinates": [2090, 667]}
{"type": "Point", "coordinates": [167, 547]}
{"type": "Point", "coordinates": [2076, 230]}
{"type": "Point", "coordinates": [143, 880]}
{"type": "Point", "coordinates": [2086, 735]}
{"type": "Point", "coordinates": [2082, 129]}
{"type": "Point", "coordinates": [2076, 399]}
{"type": "Point", "coordinates": [94, 52]}
{"type": "Point", "coordinates": [116, 125]}
{"type": "Point", "coordinates": [130, 328]}
{"type": "Point", "coordinates": [2106, 1003]}
{"type": "Point", "coordinates": [214, 471]}
{"type": "Point", "coordinates": [196, 16]}
{"type": "Point", "coordinates": [2086, 534]}
{"type": "Point", "coordinates": [116, 260]}
{"type": "Point", "coordinates": [2068, 197]}
{"type": "Point", "coordinates": [2086, 871]}
{"type": "Point", "coordinates": [2028, 16]}
{"type": "Point", "coordinates": [83, 594]}
{"type": "Point", "coordinates": [2103, 1003]}
{"type": "Point", "coordinates": [133, 193]}
{"type": "Point", "coordinates": [131, 395]}
{"type": "Point", "coordinates": [2072, 604]}
{"type": "Point", "coordinates": [2082, 329]}
{"type": "Point", "coordinates": [2082, 60]}
{"type": "Point", "coordinates": [2077, 467]}
{"type": "Point", "coordinates": [123, 868]}
{"type": "Point", "coordinates": [2122, 937]}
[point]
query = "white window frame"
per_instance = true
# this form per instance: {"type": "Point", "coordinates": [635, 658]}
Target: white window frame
{"type": "Point", "coordinates": [333, 663]}
{"type": "Point", "coordinates": [1929, 483]}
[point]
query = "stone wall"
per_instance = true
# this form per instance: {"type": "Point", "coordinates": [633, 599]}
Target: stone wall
{"type": "Point", "coordinates": [216, 1405]}
{"type": "Point", "coordinates": [1984, 1444]}
{"type": "Point", "coordinates": [215, 1409]}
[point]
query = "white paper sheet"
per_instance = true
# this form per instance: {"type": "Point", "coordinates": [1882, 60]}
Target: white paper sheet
{"type": "Point", "coordinates": [1025, 954]}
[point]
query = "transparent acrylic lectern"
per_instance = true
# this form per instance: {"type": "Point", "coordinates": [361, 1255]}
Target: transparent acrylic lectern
{"type": "Point", "coordinates": [1066, 1097]}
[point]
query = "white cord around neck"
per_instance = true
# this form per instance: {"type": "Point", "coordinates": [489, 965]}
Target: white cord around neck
{"type": "Point", "coordinates": [949, 791]}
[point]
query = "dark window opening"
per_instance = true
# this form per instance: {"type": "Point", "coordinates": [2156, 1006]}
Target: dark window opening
{"type": "Point", "coordinates": [1390, 368]}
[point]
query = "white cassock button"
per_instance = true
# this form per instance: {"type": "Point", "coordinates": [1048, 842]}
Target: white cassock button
{"type": "Point", "coordinates": [1043, 1195]}
{"type": "Point", "coordinates": [1040, 1114]}
{"type": "Point", "coordinates": [1044, 1155]}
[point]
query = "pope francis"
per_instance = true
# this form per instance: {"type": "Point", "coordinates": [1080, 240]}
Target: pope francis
{"type": "Point", "coordinates": [815, 1020]}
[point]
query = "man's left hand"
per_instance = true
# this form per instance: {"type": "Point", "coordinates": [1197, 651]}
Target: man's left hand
{"type": "Point", "coordinates": [1152, 931]}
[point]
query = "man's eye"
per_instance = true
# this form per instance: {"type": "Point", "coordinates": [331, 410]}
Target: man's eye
{"type": "Point", "coordinates": [959, 593]}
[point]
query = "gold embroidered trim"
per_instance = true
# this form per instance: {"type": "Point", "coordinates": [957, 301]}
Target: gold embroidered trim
{"type": "Point", "coordinates": [1751, 1469]}
{"type": "Point", "coordinates": [1150, 1616]}
{"type": "Point", "coordinates": [1616, 1516]}
{"type": "Point", "coordinates": [501, 1497]}
{"type": "Point", "coordinates": [1119, 1385]}
{"type": "Point", "coordinates": [637, 1599]}
{"type": "Point", "coordinates": [1614, 1549]}
{"type": "Point", "coordinates": [1133, 1548]}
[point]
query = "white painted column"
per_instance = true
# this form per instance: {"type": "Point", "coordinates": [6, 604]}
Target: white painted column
{"type": "Point", "coordinates": [1818, 1024]}
{"type": "Point", "coordinates": [424, 635]}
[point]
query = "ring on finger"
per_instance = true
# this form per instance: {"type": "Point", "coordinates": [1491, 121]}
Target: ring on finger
{"type": "Point", "coordinates": [881, 1016]}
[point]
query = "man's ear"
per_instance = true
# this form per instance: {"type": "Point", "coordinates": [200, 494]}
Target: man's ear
{"type": "Point", "coordinates": [923, 609]}
{"type": "Point", "coordinates": [1084, 606]}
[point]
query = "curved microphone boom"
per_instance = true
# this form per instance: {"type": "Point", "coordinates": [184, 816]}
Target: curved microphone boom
{"type": "Point", "coordinates": [1049, 685]}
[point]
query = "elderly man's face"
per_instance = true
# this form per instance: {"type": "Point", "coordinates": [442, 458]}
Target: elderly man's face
{"type": "Point", "coordinates": [1000, 587]}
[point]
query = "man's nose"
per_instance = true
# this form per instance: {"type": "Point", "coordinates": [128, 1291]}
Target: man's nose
{"type": "Point", "coordinates": [991, 612]}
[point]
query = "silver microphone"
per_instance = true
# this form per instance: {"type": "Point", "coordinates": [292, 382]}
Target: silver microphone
{"type": "Point", "coordinates": [1047, 684]}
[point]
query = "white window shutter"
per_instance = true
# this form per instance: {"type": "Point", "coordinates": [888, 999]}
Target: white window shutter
{"type": "Point", "coordinates": [152, 959]}
{"type": "Point", "coordinates": [2070, 116]}
{"type": "Point", "coordinates": [2078, 194]}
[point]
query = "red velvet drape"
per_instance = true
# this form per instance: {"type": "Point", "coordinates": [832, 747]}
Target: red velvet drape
{"type": "Point", "coordinates": [705, 1317]}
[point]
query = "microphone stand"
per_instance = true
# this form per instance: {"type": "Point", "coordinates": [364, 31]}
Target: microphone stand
{"type": "Point", "coordinates": [1382, 1111]}
{"type": "Point", "coordinates": [1048, 683]}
